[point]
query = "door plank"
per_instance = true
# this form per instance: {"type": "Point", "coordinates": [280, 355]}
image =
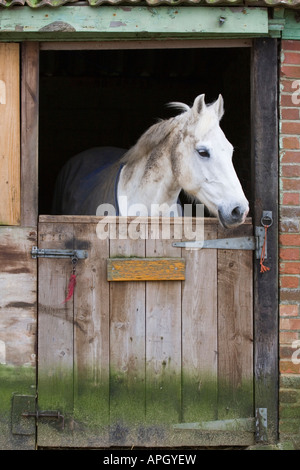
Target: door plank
{"type": "Point", "coordinates": [199, 332]}
{"type": "Point", "coordinates": [163, 340]}
{"type": "Point", "coordinates": [10, 135]}
{"type": "Point", "coordinates": [235, 329]}
{"type": "Point", "coordinates": [127, 346]}
{"type": "Point", "coordinates": [91, 338]}
{"type": "Point", "coordinates": [55, 333]}
{"type": "Point", "coordinates": [30, 130]}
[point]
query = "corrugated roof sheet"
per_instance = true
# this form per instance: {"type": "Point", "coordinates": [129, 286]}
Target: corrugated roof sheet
{"type": "Point", "coordinates": [57, 3]}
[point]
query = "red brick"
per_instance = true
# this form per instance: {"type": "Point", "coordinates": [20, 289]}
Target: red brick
{"type": "Point", "coordinates": [289, 268]}
{"type": "Point", "coordinates": [292, 71]}
{"type": "Point", "coordinates": [289, 282]}
{"type": "Point", "coordinates": [288, 310]}
{"type": "Point", "coordinates": [291, 199]}
{"type": "Point", "coordinates": [287, 336]}
{"type": "Point", "coordinates": [290, 127]}
{"type": "Point", "coordinates": [290, 239]}
{"type": "Point", "coordinates": [290, 157]}
{"type": "Point", "coordinates": [286, 101]}
{"type": "Point", "coordinates": [290, 143]}
{"type": "Point", "coordinates": [291, 184]}
{"type": "Point", "coordinates": [291, 57]}
{"type": "Point", "coordinates": [290, 45]}
{"type": "Point", "coordinates": [290, 324]}
{"type": "Point", "coordinates": [290, 113]}
{"type": "Point", "coordinates": [287, 85]}
{"type": "Point", "coordinates": [289, 253]}
{"type": "Point", "coordinates": [290, 171]}
{"type": "Point", "coordinates": [288, 367]}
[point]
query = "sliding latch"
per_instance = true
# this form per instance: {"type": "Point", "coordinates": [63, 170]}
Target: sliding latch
{"type": "Point", "coordinates": [59, 254]}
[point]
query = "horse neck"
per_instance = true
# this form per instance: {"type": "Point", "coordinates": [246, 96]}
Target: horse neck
{"type": "Point", "coordinates": [149, 180]}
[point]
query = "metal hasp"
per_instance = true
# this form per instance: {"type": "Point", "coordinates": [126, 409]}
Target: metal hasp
{"type": "Point", "coordinates": [60, 254]}
{"type": "Point", "coordinates": [24, 408]}
{"type": "Point", "coordinates": [242, 243]}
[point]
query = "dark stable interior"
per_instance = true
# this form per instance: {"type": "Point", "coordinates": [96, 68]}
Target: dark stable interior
{"type": "Point", "coordinates": [110, 97]}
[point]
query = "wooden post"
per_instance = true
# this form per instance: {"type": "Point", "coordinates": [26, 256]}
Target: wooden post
{"type": "Point", "coordinates": [10, 135]}
{"type": "Point", "coordinates": [29, 152]}
{"type": "Point", "coordinates": [265, 197]}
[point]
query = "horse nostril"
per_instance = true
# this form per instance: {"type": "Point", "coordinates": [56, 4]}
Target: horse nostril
{"type": "Point", "coordinates": [236, 212]}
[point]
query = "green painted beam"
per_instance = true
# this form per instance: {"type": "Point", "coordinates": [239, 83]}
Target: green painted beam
{"type": "Point", "coordinates": [133, 22]}
{"type": "Point", "coordinates": [292, 25]}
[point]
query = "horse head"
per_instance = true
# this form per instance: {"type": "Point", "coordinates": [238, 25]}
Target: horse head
{"type": "Point", "coordinates": [202, 163]}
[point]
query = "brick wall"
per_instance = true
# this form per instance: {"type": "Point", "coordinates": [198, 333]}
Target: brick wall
{"type": "Point", "coordinates": [289, 239]}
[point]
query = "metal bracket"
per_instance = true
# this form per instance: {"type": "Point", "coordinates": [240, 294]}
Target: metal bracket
{"type": "Point", "coordinates": [23, 409]}
{"type": "Point", "coordinates": [260, 238]}
{"type": "Point", "coordinates": [22, 404]}
{"type": "Point", "coordinates": [242, 243]}
{"type": "Point", "coordinates": [234, 425]}
{"type": "Point", "coordinates": [59, 254]}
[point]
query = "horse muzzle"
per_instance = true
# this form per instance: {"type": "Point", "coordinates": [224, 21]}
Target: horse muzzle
{"type": "Point", "coordinates": [234, 216]}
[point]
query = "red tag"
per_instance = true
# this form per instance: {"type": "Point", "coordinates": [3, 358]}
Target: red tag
{"type": "Point", "coordinates": [71, 287]}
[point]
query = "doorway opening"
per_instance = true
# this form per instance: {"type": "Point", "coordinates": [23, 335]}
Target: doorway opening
{"type": "Point", "coordinates": [92, 98]}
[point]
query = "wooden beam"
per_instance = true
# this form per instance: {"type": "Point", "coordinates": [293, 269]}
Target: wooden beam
{"type": "Point", "coordinates": [150, 44]}
{"type": "Point", "coordinates": [291, 28]}
{"type": "Point", "coordinates": [145, 269]}
{"type": "Point", "coordinates": [10, 135]}
{"type": "Point", "coordinates": [264, 89]}
{"type": "Point", "coordinates": [83, 22]}
{"type": "Point", "coordinates": [29, 132]}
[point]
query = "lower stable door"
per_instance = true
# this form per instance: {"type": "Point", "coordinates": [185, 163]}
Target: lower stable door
{"type": "Point", "coordinates": [154, 346]}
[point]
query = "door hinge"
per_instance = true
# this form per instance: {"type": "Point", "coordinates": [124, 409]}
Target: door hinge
{"type": "Point", "coordinates": [233, 425]}
{"type": "Point", "coordinates": [58, 254]}
{"type": "Point", "coordinates": [254, 243]}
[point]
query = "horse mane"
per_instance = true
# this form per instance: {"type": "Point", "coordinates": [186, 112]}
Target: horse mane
{"type": "Point", "coordinates": [154, 136]}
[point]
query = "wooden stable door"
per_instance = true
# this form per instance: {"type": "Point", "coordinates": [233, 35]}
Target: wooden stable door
{"type": "Point", "coordinates": [144, 362]}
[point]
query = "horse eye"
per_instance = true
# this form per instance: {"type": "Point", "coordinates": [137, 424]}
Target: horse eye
{"type": "Point", "coordinates": [203, 152]}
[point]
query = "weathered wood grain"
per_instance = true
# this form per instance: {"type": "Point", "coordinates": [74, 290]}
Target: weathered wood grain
{"type": "Point", "coordinates": [147, 269]}
{"type": "Point", "coordinates": [264, 131]}
{"type": "Point", "coordinates": [91, 334]}
{"type": "Point", "coordinates": [10, 135]}
{"type": "Point", "coordinates": [128, 360]}
{"type": "Point", "coordinates": [127, 347]}
{"type": "Point", "coordinates": [18, 320]}
{"type": "Point", "coordinates": [235, 329]}
{"type": "Point", "coordinates": [199, 333]}
{"type": "Point", "coordinates": [74, 22]}
{"type": "Point", "coordinates": [29, 133]}
{"type": "Point", "coordinates": [18, 287]}
{"type": "Point", "coordinates": [55, 333]}
{"type": "Point", "coordinates": [163, 339]}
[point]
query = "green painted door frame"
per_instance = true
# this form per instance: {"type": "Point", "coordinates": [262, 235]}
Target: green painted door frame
{"type": "Point", "coordinates": [83, 23]}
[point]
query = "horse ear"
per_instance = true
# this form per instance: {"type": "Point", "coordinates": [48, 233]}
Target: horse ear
{"type": "Point", "coordinates": [199, 104]}
{"type": "Point", "coordinates": [219, 107]}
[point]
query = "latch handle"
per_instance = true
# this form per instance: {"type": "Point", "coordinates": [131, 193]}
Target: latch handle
{"type": "Point", "coordinates": [45, 414]}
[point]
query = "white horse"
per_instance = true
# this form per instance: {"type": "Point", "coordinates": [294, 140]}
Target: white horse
{"type": "Point", "coordinates": [187, 152]}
